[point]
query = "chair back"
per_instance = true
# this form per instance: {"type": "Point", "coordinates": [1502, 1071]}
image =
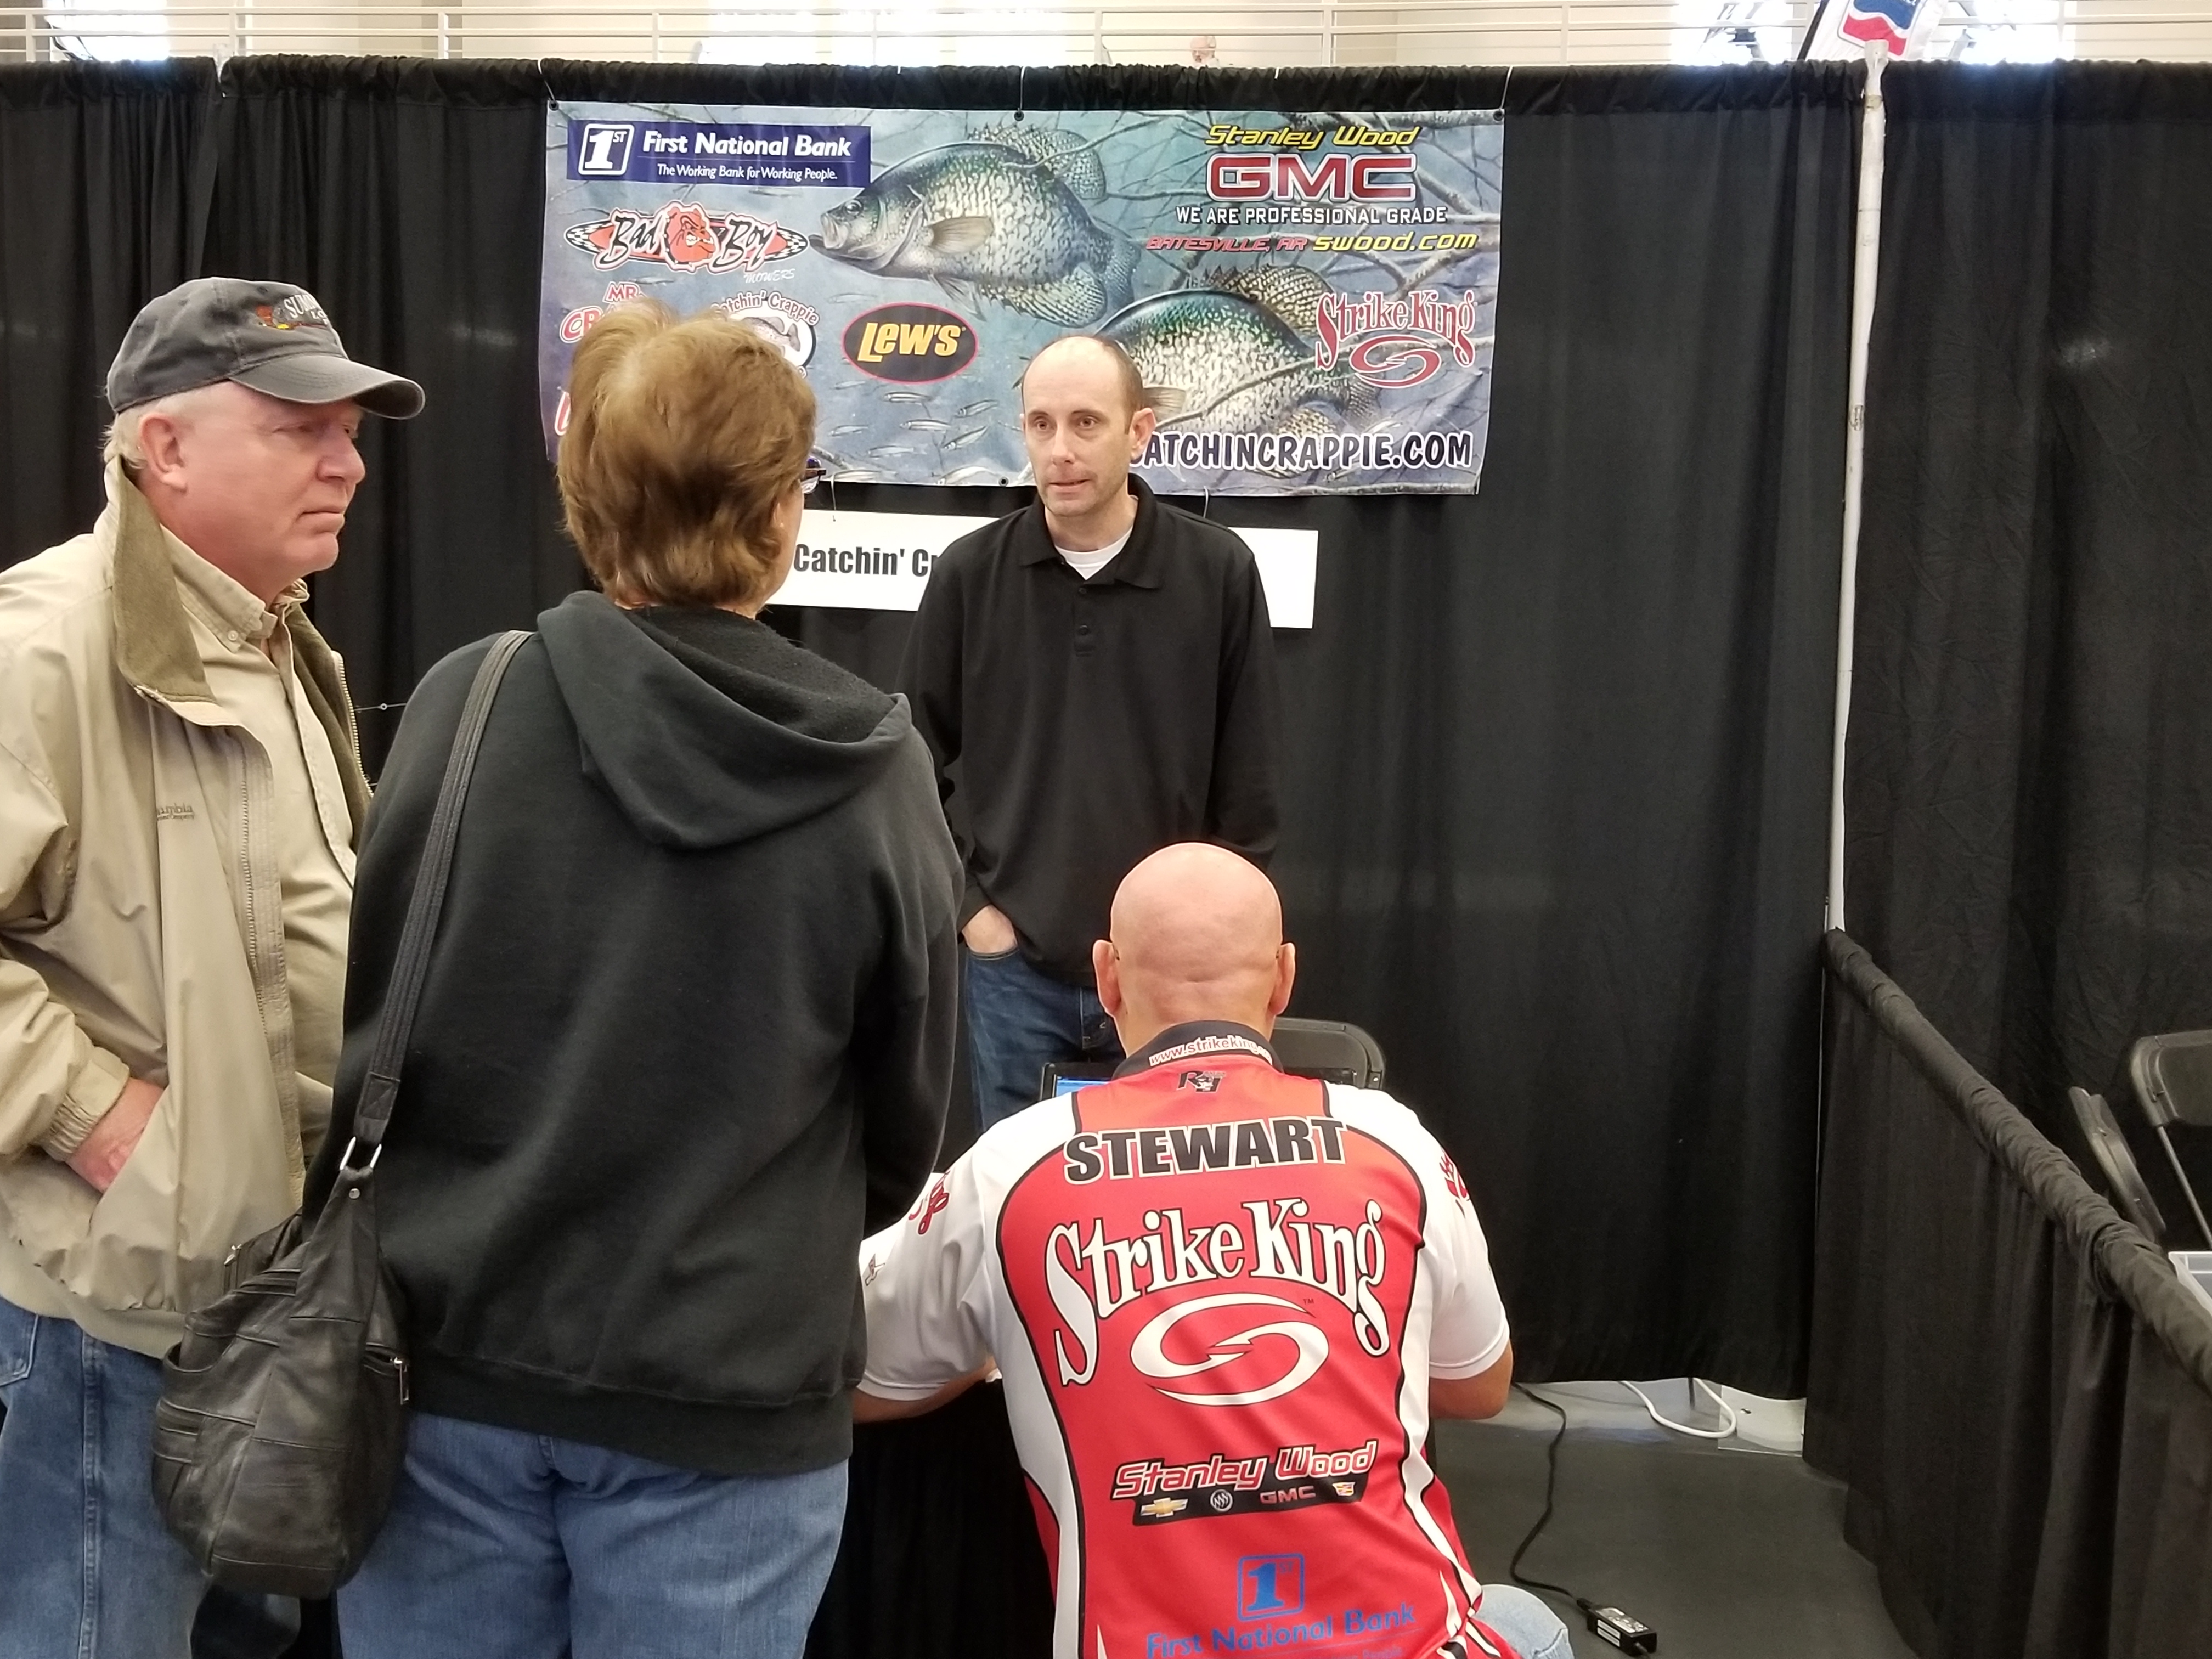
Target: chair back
{"type": "Point", "coordinates": [2123, 1177]}
{"type": "Point", "coordinates": [2173, 1076]}
{"type": "Point", "coordinates": [1329, 1050]}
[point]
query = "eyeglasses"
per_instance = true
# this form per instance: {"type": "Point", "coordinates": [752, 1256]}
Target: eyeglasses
{"type": "Point", "coordinates": [814, 475]}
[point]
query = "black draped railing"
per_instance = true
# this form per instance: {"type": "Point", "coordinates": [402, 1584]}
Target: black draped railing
{"type": "Point", "coordinates": [2009, 1376]}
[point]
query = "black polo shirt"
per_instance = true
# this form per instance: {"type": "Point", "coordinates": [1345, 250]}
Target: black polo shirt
{"type": "Point", "coordinates": [1079, 726]}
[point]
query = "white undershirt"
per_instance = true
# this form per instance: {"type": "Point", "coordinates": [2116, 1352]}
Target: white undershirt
{"type": "Point", "coordinates": [1087, 565]}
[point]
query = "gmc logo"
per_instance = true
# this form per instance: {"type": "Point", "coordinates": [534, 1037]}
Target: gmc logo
{"type": "Point", "coordinates": [1287, 178]}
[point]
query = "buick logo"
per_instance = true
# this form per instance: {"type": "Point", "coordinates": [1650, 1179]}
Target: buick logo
{"type": "Point", "coordinates": [1284, 1367]}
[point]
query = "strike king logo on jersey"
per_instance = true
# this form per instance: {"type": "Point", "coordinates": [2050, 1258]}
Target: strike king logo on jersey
{"type": "Point", "coordinates": [1294, 1477]}
{"type": "Point", "coordinates": [1091, 1276]}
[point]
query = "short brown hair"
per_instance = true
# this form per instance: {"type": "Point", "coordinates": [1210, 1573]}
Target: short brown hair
{"type": "Point", "coordinates": [683, 436]}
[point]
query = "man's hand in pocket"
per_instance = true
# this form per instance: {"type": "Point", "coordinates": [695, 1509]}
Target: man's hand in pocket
{"type": "Point", "coordinates": [101, 1156]}
{"type": "Point", "coordinates": [989, 934]}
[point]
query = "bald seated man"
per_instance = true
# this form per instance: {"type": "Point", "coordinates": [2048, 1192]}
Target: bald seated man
{"type": "Point", "coordinates": [1096, 678]}
{"type": "Point", "coordinates": [1226, 1303]}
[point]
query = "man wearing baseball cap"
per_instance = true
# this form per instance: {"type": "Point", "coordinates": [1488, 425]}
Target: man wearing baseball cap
{"type": "Point", "coordinates": [179, 795]}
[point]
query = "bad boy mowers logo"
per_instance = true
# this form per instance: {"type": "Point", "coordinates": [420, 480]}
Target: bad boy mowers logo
{"type": "Point", "coordinates": [685, 237]}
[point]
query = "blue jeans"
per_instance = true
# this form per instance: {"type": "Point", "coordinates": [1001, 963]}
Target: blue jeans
{"type": "Point", "coordinates": [504, 1545]}
{"type": "Point", "coordinates": [1018, 1019]}
{"type": "Point", "coordinates": [88, 1569]}
{"type": "Point", "coordinates": [1524, 1620]}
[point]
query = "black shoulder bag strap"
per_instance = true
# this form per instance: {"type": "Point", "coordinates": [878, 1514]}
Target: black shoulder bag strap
{"type": "Point", "coordinates": [412, 964]}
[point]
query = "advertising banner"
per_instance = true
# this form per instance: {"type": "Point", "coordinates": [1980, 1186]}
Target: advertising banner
{"type": "Point", "coordinates": [1308, 297]}
{"type": "Point", "coordinates": [881, 561]}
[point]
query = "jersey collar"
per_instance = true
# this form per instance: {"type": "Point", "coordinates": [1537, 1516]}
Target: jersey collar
{"type": "Point", "coordinates": [1198, 1039]}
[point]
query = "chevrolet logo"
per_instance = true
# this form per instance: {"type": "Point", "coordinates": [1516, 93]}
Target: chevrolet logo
{"type": "Point", "coordinates": [1160, 1508]}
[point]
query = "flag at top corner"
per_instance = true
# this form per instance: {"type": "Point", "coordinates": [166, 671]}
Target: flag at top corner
{"type": "Point", "coordinates": [1884, 23]}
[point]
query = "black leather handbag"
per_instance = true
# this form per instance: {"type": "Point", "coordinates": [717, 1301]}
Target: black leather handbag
{"type": "Point", "coordinates": [281, 1426]}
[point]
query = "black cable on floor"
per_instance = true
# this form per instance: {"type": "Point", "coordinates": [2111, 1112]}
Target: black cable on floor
{"type": "Point", "coordinates": [1551, 1496]}
{"type": "Point", "coordinates": [1609, 1625]}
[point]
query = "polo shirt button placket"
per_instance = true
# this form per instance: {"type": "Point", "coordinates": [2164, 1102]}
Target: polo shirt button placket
{"type": "Point", "coordinates": [1086, 639]}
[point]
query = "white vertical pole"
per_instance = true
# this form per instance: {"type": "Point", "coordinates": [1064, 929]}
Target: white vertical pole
{"type": "Point", "coordinates": [1863, 273]}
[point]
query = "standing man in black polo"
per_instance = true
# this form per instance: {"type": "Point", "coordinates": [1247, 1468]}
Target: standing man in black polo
{"type": "Point", "coordinates": [1096, 678]}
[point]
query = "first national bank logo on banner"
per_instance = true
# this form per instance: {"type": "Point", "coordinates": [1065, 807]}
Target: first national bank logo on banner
{"type": "Point", "coordinates": [1309, 300]}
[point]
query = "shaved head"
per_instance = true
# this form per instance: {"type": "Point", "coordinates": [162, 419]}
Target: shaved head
{"type": "Point", "coordinates": [1088, 355]}
{"type": "Point", "coordinates": [1197, 935]}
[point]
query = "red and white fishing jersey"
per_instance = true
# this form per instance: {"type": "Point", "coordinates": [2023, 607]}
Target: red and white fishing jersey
{"type": "Point", "coordinates": [1217, 1293]}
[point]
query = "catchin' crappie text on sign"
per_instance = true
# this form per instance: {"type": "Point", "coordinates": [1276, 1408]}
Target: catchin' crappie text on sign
{"type": "Point", "coordinates": [882, 562]}
{"type": "Point", "coordinates": [1309, 300]}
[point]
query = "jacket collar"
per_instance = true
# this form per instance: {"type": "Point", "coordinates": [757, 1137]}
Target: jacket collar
{"type": "Point", "coordinates": [154, 646]}
{"type": "Point", "coordinates": [1138, 564]}
{"type": "Point", "coordinates": [1198, 1040]}
{"type": "Point", "coordinates": [156, 654]}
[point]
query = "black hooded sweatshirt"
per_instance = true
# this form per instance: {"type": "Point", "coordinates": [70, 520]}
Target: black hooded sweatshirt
{"type": "Point", "coordinates": [687, 1035]}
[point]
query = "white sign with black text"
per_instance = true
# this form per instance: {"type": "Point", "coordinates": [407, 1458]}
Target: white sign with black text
{"type": "Point", "coordinates": [881, 561]}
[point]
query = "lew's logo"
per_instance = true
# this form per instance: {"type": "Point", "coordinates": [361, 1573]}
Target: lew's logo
{"type": "Point", "coordinates": [909, 342]}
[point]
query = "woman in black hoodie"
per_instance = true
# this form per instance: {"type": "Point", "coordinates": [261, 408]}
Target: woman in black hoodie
{"type": "Point", "coordinates": [686, 1037]}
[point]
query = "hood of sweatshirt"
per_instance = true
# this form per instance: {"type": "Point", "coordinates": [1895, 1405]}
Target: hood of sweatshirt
{"type": "Point", "coordinates": [709, 729]}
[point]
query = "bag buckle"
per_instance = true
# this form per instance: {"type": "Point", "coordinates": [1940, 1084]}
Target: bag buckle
{"type": "Point", "coordinates": [345, 1158]}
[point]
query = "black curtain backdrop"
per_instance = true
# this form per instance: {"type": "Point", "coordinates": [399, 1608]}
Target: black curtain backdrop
{"type": "Point", "coordinates": [2030, 764]}
{"type": "Point", "coordinates": [408, 196]}
{"type": "Point", "coordinates": [1554, 824]}
{"type": "Point", "coordinates": [2009, 1378]}
{"type": "Point", "coordinates": [97, 188]}
{"type": "Point", "coordinates": [1555, 815]}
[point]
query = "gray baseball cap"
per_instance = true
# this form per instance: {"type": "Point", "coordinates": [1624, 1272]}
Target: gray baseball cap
{"type": "Point", "coordinates": [269, 336]}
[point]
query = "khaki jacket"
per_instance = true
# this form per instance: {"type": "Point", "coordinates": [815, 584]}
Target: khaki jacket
{"type": "Point", "coordinates": [140, 933]}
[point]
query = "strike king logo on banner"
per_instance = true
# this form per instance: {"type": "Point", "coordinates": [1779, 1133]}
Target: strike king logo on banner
{"type": "Point", "coordinates": [1309, 303]}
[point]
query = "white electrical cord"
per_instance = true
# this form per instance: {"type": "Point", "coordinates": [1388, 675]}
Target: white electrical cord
{"type": "Point", "coordinates": [1727, 1410]}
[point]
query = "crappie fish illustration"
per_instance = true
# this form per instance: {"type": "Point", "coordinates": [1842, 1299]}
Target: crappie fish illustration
{"type": "Point", "coordinates": [1001, 214]}
{"type": "Point", "coordinates": [1236, 353]}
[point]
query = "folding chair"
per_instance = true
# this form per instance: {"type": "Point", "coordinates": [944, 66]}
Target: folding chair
{"type": "Point", "coordinates": [2123, 1177]}
{"type": "Point", "coordinates": [2173, 1079]}
{"type": "Point", "coordinates": [1329, 1050]}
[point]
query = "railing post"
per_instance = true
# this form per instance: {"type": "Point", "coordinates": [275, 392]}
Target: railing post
{"type": "Point", "coordinates": [1566, 31]}
{"type": "Point", "coordinates": [1097, 34]}
{"type": "Point", "coordinates": [656, 37]}
{"type": "Point", "coordinates": [445, 35]}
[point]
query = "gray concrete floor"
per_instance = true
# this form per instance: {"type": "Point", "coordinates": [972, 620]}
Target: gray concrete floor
{"type": "Point", "coordinates": [1729, 1553]}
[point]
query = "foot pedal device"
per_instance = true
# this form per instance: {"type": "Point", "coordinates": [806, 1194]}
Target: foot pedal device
{"type": "Point", "coordinates": [1623, 1631]}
